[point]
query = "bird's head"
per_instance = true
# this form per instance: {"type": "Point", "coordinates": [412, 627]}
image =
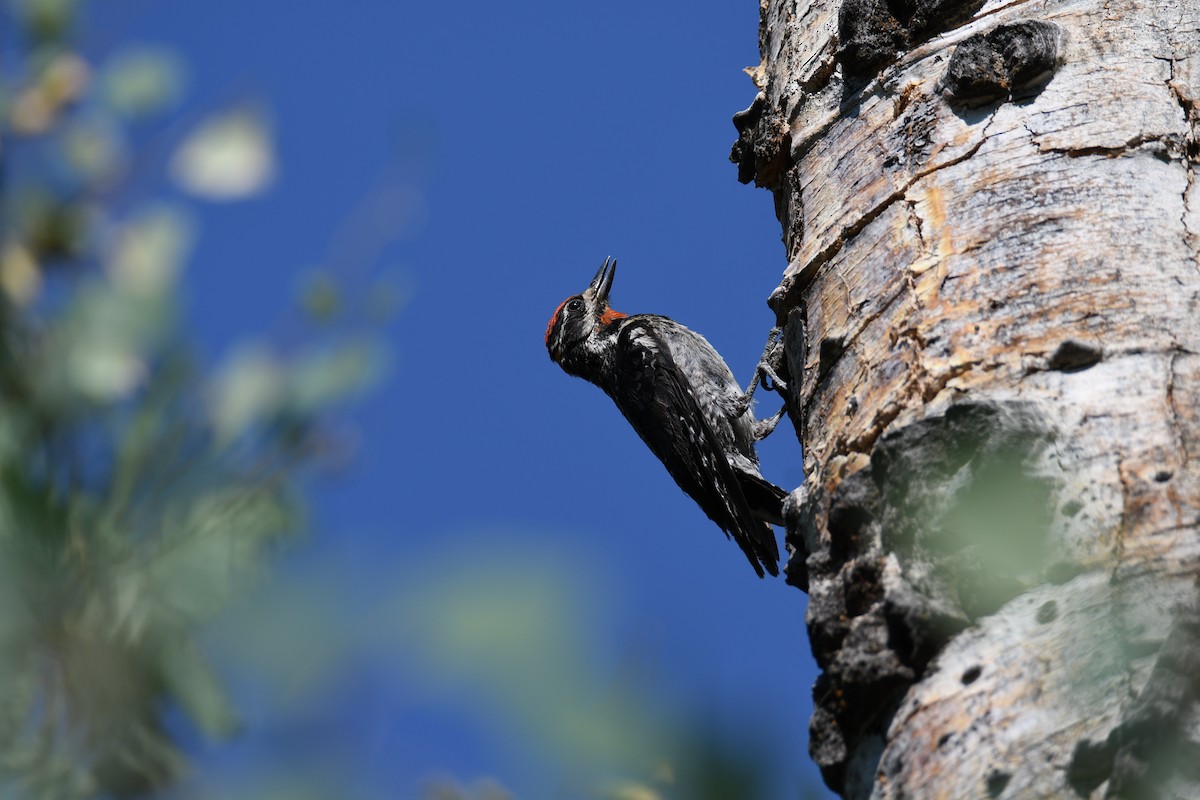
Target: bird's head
{"type": "Point", "coordinates": [581, 318]}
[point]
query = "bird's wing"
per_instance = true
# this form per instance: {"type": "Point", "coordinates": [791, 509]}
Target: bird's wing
{"type": "Point", "coordinates": [662, 408]}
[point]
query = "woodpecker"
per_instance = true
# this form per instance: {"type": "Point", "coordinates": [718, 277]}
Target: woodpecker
{"type": "Point", "coordinates": [681, 398]}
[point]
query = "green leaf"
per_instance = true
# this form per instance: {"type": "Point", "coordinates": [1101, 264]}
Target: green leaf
{"type": "Point", "coordinates": [320, 297]}
{"type": "Point", "coordinates": [20, 275]}
{"type": "Point", "coordinates": [230, 156]}
{"type": "Point", "coordinates": [93, 147]}
{"type": "Point", "coordinates": [130, 610]}
{"type": "Point", "coordinates": [328, 376]}
{"type": "Point", "coordinates": [248, 389]}
{"type": "Point", "coordinates": [46, 19]}
{"type": "Point", "coordinates": [104, 367]}
{"type": "Point", "coordinates": [194, 684]}
{"type": "Point", "coordinates": [140, 81]}
{"type": "Point", "coordinates": [388, 296]}
{"type": "Point", "coordinates": [150, 250]}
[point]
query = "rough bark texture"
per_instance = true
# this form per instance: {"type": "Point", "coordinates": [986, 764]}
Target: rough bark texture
{"type": "Point", "coordinates": [992, 331]}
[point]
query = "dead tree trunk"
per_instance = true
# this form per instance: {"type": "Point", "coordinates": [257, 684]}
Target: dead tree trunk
{"type": "Point", "coordinates": [992, 330]}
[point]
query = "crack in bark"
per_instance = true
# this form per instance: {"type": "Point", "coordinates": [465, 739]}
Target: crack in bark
{"type": "Point", "coordinates": [866, 440]}
{"type": "Point", "coordinates": [921, 383]}
{"type": "Point", "coordinates": [1107, 151]}
{"type": "Point", "coordinates": [851, 230]}
{"type": "Point", "coordinates": [1122, 352]}
{"type": "Point", "coordinates": [918, 223]}
{"type": "Point", "coordinates": [1115, 581]}
{"type": "Point", "coordinates": [918, 374]}
{"type": "Point", "coordinates": [1117, 601]}
{"type": "Point", "coordinates": [1189, 236]}
{"type": "Point", "coordinates": [1118, 548]}
{"type": "Point", "coordinates": [826, 61]}
{"type": "Point", "coordinates": [910, 280]}
{"type": "Point", "coordinates": [1190, 152]}
{"type": "Point", "coordinates": [1176, 426]}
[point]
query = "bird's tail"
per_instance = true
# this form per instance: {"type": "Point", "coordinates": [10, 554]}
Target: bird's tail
{"type": "Point", "coordinates": [765, 501]}
{"type": "Point", "coordinates": [764, 498]}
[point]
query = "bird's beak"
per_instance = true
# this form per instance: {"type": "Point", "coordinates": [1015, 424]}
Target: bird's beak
{"type": "Point", "coordinates": [602, 283]}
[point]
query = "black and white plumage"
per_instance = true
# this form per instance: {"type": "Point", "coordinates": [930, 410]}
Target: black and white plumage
{"type": "Point", "coordinates": [681, 398]}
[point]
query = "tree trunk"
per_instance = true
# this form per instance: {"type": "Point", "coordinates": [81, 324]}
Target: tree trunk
{"type": "Point", "coordinates": [992, 335]}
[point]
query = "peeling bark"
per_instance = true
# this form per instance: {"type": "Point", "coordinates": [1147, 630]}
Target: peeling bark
{"type": "Point", "coordinates": [991, 321]}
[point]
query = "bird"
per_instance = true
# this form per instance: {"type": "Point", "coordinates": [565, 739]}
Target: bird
{"type": "Point", "coordinates": [681, 398]}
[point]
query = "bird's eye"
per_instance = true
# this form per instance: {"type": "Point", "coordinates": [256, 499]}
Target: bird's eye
{"type": "Point", "coordinates": [575, 305]}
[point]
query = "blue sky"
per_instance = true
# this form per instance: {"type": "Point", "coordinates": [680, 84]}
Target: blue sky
{"type": "Point", "coordinates": [528, 141]}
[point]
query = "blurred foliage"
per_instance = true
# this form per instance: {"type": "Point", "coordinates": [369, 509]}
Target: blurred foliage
{"type": "Point", "coordinates": [138, 497]}
{"type": "Point", "coordinates": [519, 629]}
{"type": "Point", "coordinates": [501, 632]}
{"type": "Point", "coordinates": [143, 499]}
{"type": "Point", "coordinates": [450, 789]}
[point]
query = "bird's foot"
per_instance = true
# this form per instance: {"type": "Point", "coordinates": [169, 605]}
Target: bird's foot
{"type": "Point", "coordinates": [765, 427]}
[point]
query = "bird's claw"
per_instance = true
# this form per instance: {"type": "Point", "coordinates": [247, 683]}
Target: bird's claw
{"type": "Point", "coordinates": [765, 374]}
{"type": "Point", "coordinates": [765, 427]}
{"type": "Point", "coordinates": [765, 369]}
